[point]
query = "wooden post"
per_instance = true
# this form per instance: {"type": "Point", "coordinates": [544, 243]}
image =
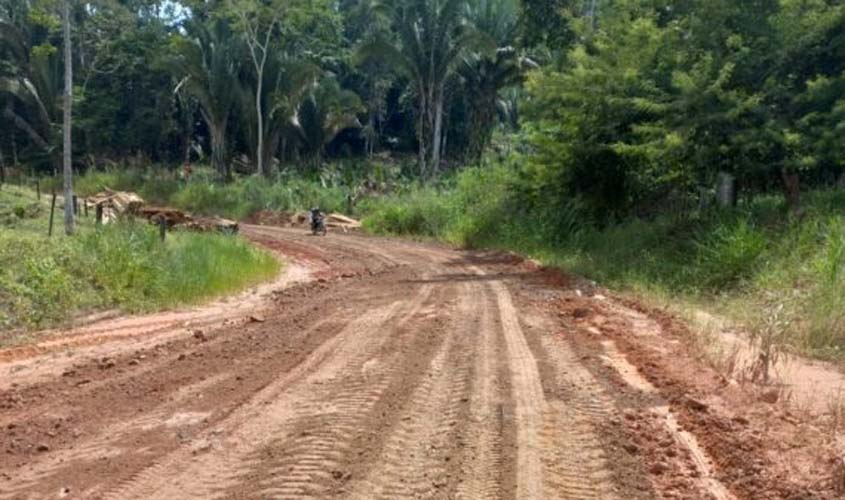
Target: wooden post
{"type": "Point", "coordinates": [75, 206]}
{"type": "Point", "coordinates": [99, 214]}
{"type": "Point", "coordinates": [162, 227]}
{"type": "Point", "coordinates": [38, 189]}
{"type": "Point", "coordinates": [52, 211]}
{"type": "Point", "coordinates": [85, 206]}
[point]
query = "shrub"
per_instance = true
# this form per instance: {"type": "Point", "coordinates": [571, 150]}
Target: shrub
{"type": "Point", "coordinates": [729, 254]}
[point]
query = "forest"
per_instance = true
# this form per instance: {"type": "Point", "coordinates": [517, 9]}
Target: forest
{"type": "Point", "coordinates": [625, 104]}
{"type": "Point", "coordinates": [690, 148]}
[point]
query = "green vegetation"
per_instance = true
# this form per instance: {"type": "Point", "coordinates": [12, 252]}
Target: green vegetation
{"type": "Point", "coordinates": [123, 265]}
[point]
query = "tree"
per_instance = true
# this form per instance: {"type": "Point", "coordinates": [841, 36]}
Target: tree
{"type": "Point", "coordinates": [431, 36]}
{"type": "Point", "coordinates": [206, 60]}
{"type": "Point", "coordinates": [21, 100]}
{"type": "Point", "coordinates": [258, 21]}
{"type": "Point", "coordinates": [327, 111]}
{"type": "Point", "coordinates": [485, 74]}
{"type": "Point", "coordinates": [67, 123]}
{"type": "Point", "coordinates": [288, 83]}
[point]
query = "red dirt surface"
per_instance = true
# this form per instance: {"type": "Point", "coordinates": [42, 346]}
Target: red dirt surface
{"type": "Point", "coordinates": [389, 369]}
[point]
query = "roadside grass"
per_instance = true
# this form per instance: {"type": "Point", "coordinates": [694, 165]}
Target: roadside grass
{"type": "Point", "coordinates": [46, 281]}
{"type": "Point", "coordinates": [738, 263]}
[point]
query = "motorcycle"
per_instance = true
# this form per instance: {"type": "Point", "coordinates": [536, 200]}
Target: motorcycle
{"type": "Point", "coordinates": [318, 225]}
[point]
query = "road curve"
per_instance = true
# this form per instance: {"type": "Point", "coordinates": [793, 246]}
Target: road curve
{"type": "Point", "coordinates": [400, 370]}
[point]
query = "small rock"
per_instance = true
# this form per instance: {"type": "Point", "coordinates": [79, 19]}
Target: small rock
{"type": "Point", "coordinates": [42, 448]}
{"type": "Point", "coordinates": [199, 335]}
{"type": "Point", "coordinates": [696, 405]}
{"type": "Point", "coordinates": [133, 362]}
{"type": "Point", "coordinates": [255, 318]}
{"type": "Point", "coordinates": [631, 448]}
{"type": "Point", "coordinates": [659, 468]}
{"type": "Point", "coordinates": [181, 357]}
{"type": "Point", "coordinates": [741, 420]}
{"type": "Point", "coordinates": [770, 396]}
{"type": "Point", "coordinates": [580, 313]}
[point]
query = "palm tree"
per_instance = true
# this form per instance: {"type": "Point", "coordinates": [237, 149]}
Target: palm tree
{"type": "Point", "coordinates": [20, 91]}
{"type": "Point", "coordinates": [208, 61]}
{"type": "Point", "coordinates": [485, 73]}
{"type": "Point", "coordinates": [288, 82]}
{"type": "Point", "coordinates": [325, 113]}
{"type": "Point", "coordinates": [431, 36]}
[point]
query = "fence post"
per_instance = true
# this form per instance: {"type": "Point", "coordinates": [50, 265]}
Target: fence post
{"type": "Point", "coordinates": [38, 189]}
{"type": "Point", "coordinates": [162, 227]}
{"type": "Point", "coordinates": [99, 214]}
{"type": "Point", "coordinates": [75, 206]}
{"type": "Point", "coordinates": [52, 211]}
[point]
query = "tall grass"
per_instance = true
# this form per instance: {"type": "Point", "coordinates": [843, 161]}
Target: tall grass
{"type": "Point", "coordinates": [44, 281]}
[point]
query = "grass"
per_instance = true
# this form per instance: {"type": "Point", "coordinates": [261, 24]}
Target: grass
{"type": "Point", "coordinates": [739, 263]}
{"type": "Point", "coordinates": [44, 281]}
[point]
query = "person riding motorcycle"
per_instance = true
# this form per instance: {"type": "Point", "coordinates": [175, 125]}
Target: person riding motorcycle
{"type": "Point", "coordinates": [318, 221]}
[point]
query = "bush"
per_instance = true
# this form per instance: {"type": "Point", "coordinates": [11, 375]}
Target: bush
{"type": "Point", "coordinates": [729, 254]}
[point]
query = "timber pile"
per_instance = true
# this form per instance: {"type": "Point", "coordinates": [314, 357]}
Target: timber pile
{"type": "Point", "coordinates": [335, 220]}
{"type": "Point", "coordinates": [119, 203]}
{"type": "Point", "coordinates": [303, 219]}
{"type": "Point", "coordinates": [172, 217]}
{"type": "Point", "coordinates": [115, 204]}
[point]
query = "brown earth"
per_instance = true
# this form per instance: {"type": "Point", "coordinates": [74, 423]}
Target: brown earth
{"type": "Point", "coordinates": [386, 369]}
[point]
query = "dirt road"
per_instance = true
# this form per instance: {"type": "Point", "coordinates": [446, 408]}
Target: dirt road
{"type": "Point", "coordinates": [380, 369]}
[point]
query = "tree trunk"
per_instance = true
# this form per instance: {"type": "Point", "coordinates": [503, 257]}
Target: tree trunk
{"type": "Point", "coordinates": [66, 126]}
{"type": "Point", "coordinates": [437, 140]}
{"type": "Point", "coordinates": [726, 190]}
{"type": "Point", "coordinates": [482, 118]}
{"type": "Point", "coordinates": [22, 124]}
{"type": "Point", "coordinates": [270, 148]}
{"type": "Point", "coordinates": [421, 132]}
{"type": "Point", "coordinates": [260, 152]}
{"type": "Point", "coordinates": [791, 189]}
{"type": "Point", "coordinates": [218, 151]}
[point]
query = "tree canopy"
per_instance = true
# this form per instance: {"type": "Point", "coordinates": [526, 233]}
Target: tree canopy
{"type": "Point", "coordinates": [619, 103]}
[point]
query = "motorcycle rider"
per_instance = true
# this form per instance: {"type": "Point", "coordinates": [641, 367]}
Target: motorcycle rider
{"type": "Point", "coordinates": [316, 217]}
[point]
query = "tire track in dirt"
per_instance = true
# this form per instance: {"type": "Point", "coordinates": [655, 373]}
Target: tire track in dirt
{"type": "Point", "coordinates": [485, 463]}
{"type": "Point", "coordinates": [214, 465]}
{"type": "Point", "coordinates": [528, 398]}
{"type": "Point", "coordinates": [416, 457]}
{"type": "Point", "coordinates": [310, 457]}
{"type": "Point", "coordinates": [576, 465]}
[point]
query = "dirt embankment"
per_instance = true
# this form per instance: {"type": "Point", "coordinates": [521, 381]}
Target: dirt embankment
{"type": "Point", "coordinates": [389, 369]}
